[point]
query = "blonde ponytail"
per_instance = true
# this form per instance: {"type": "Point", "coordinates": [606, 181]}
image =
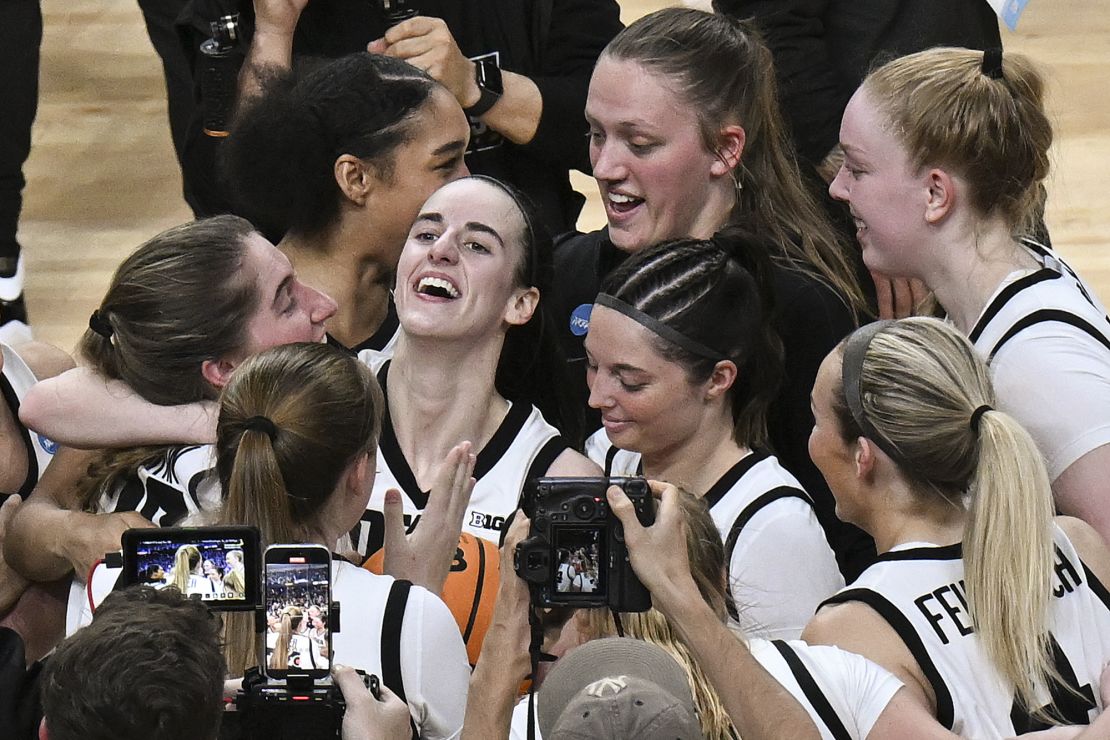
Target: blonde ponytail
{"type": "Point", "coordinates": [926, 398]}
{"type": "Point", "coordinates": [1008, 587]}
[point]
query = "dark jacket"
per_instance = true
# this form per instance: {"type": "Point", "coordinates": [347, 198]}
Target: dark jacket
{"type": "Point", "coordinates": [553, 42]}
{"type": "Point", "coordinates": [824, 48]}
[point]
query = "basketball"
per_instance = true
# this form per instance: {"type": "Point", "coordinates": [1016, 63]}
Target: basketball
{"type": "Point", "coordinates": [471, 589]}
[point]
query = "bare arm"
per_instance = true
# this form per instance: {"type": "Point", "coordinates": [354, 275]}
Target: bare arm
{"type": "Point", "coordinates": [504, 662]}
{"type": "Point", "coordinates": [571, 464]}
{"type": "Point", "coordinates": [427, 43]}
{"type": "Point", "coordinates": [272, 45]}
{"type": "Point", "coordinates": [759, 706]}
{"type": "Point", "coordinates": [1082, 490]}
{"type": "Point", "coordinates": [81, 409]}
{"type": "Point", "coordinates": [49, 538]}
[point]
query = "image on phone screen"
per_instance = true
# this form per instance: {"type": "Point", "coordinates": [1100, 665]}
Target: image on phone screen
{"type": "Point", "coordinates": [298, 637]}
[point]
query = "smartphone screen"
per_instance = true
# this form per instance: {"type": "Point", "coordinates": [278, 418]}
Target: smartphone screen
{"type": "Point", "coordinates": [297, 598]}
{"type": "Point", "coordinates": [218, 565]}
{"type": "Point", "coordinates": [579, 553]}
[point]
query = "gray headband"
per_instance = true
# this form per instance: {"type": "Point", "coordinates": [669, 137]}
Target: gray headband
{"type": "Point", "coordinates": [658, 327]}
{"type": "Point", "coordinates": [855, 352]}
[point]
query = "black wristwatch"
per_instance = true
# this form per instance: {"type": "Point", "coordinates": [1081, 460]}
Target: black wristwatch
{"type": "Point", "coordinates": [488, 76]}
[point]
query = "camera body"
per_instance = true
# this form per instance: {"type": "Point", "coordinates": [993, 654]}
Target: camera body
{"type": "Point", "coordinates": [575, 554]}
{"type": "Point", "coordinates": [225, 568]}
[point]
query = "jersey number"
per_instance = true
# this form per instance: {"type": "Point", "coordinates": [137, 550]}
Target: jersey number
{"type": "Point", "coordinates": [1069, 705]}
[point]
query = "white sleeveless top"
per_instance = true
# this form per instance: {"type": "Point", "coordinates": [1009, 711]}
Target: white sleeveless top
{"type": "Point", "coordinates": [919, 590]}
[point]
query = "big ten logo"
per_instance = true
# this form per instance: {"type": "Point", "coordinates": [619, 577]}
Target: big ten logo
{"type": "Point", "coordinates": [486, 521]}
{"type": "Point", "coordinates": [368, 536]}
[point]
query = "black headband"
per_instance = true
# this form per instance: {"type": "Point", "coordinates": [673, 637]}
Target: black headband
{"type": "Point", "coordinates": [855, 352]}
{"type": "Point", "coordinates": [658, 327]}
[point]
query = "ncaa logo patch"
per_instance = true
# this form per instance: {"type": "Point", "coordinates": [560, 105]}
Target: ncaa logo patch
{"type": "Point", "coordinates": [580, 319]}
{"type": "Point", "coordinates": [48, 445]}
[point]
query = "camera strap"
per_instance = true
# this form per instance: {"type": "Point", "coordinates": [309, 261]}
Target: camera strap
{"type": "Point", "coordinates": [536, 654]}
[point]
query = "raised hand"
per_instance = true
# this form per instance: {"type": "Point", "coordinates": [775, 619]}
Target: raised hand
{"type": "Point", "coordinates": [425, 555]}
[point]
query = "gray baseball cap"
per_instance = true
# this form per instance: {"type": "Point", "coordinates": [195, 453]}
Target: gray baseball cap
{"type": "Point", "coordinates": [617, 688]}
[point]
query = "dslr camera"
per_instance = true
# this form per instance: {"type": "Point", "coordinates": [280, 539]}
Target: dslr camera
{"type": "Point", "coordinates": [575, 554]}
{"type": "Point", "coordinates": [290, 695]}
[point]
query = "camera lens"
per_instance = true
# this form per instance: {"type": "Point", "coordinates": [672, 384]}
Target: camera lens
{"type": "Point", "coordinates": [585, 508]}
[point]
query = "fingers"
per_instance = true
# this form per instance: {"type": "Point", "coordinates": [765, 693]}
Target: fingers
{"type": "Point", "coordinates": [414, 27]}
{"type": "Point", "coordinates": [134, 520]}
{"type": "Point", "coordinates": [903, 298]}
{"type": "Point", "coordinates": [349, 682]}
{"type": "Point", "coordinates": [394, 513]}
{"type": "Point", "coordinates": [884, 296]}
{"type": "Point", "coordinates": [918, 292]}
{"type": "Point", "coordinates": [7, 511]}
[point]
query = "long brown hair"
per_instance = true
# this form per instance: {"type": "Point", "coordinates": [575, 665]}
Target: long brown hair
{"type": "Point", "coordinates": [726, 73]}
{"type": "Point", "coordinates": [176, 301]}
{"type": "Point", "coordinates": [292, 419]}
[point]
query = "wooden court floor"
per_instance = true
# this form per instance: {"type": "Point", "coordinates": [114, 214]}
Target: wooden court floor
{"type": "Point", "coordinates": [102, 176]}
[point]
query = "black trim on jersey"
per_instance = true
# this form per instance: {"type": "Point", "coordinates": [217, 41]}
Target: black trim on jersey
{"type": "Point", "coordinates": [1096, 585]}
{"type": "Point", "coordinates": [610, 456]}
{"type": "Point", "coordinates": [812, 691]}
{"type": "Point", "coordinates": [902, 625]}
{"type": "Point", "coordinates": [1004, 297]}
{"type": "Point", "coordinates": [12, 399]}
{"type": "Point", "coordinates": [480, 582]}
{"type": "Point", "coordinates": [1045, 315]}
{"type": "Point", "coordinates": [392, 621]}
{"type": "Point", "coordinates": [947, 552]}
{"type": "Point", "coordinates": [745, 516]}
{"type": "Point", "coordinates": [376, 341]}
{"type": "Point", "coordinates": [725, 483]}
{"type": "Point", "coordinates": [489, 455]}
{"type": "Point", "coordinates": [544, 459]}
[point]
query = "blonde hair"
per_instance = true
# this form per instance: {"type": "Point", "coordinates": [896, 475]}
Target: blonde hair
{"type": "Point", "coordinates": [920, 384]}
{"type": "Point", "coordinates": [185, 559]}
{"type": "Point", "coordinates": [725, 73]}
{"type": "Point", "coordinates": [707, 565]}
{"type": "Point", "coordinates": [993, 131]}
{"type": "Point", "coordinates": [291, 618]}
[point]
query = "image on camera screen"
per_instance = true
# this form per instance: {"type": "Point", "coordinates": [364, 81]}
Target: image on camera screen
{"type": "Point", "coordinates": [209, 568]}
{"type": "Point", "coordinates": [297, 616]}
{"type": "Point", "coordinates": [578, 559]}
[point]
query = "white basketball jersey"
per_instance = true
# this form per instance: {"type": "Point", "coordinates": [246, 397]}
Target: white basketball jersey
{"type": "Point", "coordinates": [759, 509]}
{"type": "Point", "coordinates": [15, 381]}
{"type": "Point", "coordinates": [919, 590]}
{"type": "Point", "coordinates": [181, 483]}
{"type": "Point", "coordinates": [524, 446]}
{"type": "Point", "coordinates": [843, 693]}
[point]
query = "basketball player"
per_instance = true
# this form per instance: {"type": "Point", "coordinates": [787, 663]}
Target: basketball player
{"type": "Point", "coordinates": [683, 393]}
{"type": "Point", "coordinates": [989, 609]}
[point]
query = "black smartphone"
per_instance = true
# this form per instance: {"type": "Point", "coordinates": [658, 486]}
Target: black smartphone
{"type": "Point", "coordinates": [297, 597]}
{"type": "Point", "coordinates": [218, 565]}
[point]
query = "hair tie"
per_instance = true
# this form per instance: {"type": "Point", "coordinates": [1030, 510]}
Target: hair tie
{"type": "Point", "coordinates": [658, 327]}
{"type": "Point", "coordinates": [992, 63]}
{"type": "Point", "coordinates": [261, 424]}
{"type": "Point", "coordinates": [976, 415]}
{"type": "Point", "coordinates": [99, 324]}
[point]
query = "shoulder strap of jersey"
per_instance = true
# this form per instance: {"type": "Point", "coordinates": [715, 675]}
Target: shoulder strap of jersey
{"type": "Point", "coordinates": [901, 624]}
{"type": "Point", "coordinates": [1045, 315]}
{"type": "Point", "coordinates": [11, 398]}
{"type": "Point", "coordinates": [745, 516]}
{"type": "Point", "coordinates": [610, 456]}
{"type": "Point", "coordinates": [392, 622]}
{"type": "Point", "coordinates": [812, 691]}
{"type": "Point", "coordinates": [551, 449]}
{"type": "Point", "coordinates": [1005, 295]}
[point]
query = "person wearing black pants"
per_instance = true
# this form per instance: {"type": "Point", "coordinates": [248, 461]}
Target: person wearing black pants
{"type": "Point", "coordinates": [20, 37]}
{"type": "Point", "coordinates": [160, 17]}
